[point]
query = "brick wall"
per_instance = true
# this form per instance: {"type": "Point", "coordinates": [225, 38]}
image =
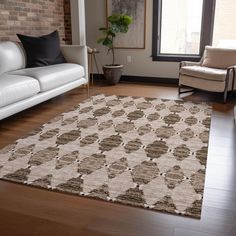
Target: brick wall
{"type": "Point", "coordinates": [34, 17]}
{"type": "Point", "coordinates": [67, 21]}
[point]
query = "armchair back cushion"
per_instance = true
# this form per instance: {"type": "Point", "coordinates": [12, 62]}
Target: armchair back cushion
{"type": "Point", "coordinates": [12, 57]}
{"type": "Point", "coordinates": [220, 58]}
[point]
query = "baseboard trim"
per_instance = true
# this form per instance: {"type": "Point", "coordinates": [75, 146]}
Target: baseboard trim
{"type": "Point", "coordinates": [142, 79]}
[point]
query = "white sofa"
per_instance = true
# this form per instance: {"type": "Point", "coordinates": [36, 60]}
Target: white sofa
{"type": "Point", "coordinates": [21, 88]}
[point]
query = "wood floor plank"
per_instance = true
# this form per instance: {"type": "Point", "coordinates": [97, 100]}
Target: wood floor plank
{"type": "Point", "coordinates": [220, 199]}
{"type": "Point", "coordinates": [23, 225]}
{"type": "Point", "coordinates": [220, 177]}
{"type": "Point", "coordinates": [183, 232]}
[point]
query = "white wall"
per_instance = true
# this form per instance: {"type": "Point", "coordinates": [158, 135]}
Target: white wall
{"type": "Point", "coordinates": [142, 64]}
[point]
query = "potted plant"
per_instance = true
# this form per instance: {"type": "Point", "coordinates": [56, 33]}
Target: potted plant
{"type": "Point", "coordinates": [117, 23]}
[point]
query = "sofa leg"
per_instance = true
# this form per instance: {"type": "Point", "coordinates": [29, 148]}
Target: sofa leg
{"type": "Point", "coordinates": [87, 85]}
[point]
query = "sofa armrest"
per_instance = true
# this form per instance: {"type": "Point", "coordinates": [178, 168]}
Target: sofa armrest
{"type": "Point", "coordinates": [76, 54]}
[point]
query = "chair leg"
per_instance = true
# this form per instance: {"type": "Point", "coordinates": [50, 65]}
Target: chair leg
{"type": "Point", "coordinates": [179, 88]}
{"type": "Point", "coordinates": [226, 86]}
{"type": "Point", "coordinates": [185, 91]}
{"type": "Point", "coordinates": [225, 95]}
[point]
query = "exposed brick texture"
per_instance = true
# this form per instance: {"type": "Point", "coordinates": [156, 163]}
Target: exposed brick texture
{"type": "Point", "coordinates": [67, 21]}
{"type": "Point", "coordinates": [34, 17]}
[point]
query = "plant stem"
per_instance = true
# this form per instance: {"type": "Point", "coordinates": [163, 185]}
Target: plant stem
{"type": "Point", "coordinates": [113, 56]}
{"type": "Point", "coordinates": [113, 52]}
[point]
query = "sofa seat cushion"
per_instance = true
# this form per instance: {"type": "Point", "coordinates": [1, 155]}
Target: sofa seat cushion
{"type": "Point", "coordinates": [16, 88]}
{"type": "Point", "coordinates": [204, 72]}
{"type": "Point", "coordinates": [50, 77]}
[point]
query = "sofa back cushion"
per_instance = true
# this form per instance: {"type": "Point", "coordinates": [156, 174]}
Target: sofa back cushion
{"type": "Point", "coordinates": [220, 58]}
{"type": "Point", "coordinates": [12, 57]}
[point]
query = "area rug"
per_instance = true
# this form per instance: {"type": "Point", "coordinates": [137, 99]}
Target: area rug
{"type": "Point", "coordinates": [144, 152]}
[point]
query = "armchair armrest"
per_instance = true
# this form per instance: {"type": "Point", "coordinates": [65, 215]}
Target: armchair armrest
{"type": "Point", "coordinates": [76, 54]}
{"type": "Point", "coordinates": [189, 63]}
{"type": "Point", "coordinates": [231, 71]}
{"type": "Point", "coordinates": [231, 68]}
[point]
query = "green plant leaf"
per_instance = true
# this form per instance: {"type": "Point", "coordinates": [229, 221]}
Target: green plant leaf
{"type": "Point", "coordinates": [127, 19]}
{"type": "Point", "coordinates": [100, 40]}
{"type": "Point", "coordinates": [113, 18]}
{"type": "Point", "coordinates": [124, 29]}
{"type": "Point", "coordinates": [102, 29]}
{"type": "Point", "coordinates": [115, 28]}
{"type": "Point", "coordinates": [108, 42]}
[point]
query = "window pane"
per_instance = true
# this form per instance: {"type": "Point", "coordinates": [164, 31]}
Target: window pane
{"type": "Point", "coordinates": [181, 26]}
{"type": "Point", "coordinates": [224, 27]}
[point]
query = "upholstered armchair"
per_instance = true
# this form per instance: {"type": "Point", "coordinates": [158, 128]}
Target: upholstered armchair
{"type": "Point", "coordinates": [215, 72]}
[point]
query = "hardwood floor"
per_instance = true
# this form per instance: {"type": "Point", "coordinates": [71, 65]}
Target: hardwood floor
{"type": "Point", "coordinates": [30, 211]}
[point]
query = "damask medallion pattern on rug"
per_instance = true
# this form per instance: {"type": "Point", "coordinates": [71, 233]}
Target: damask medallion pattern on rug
{"type": "Point", "coordinates": [143, 152]}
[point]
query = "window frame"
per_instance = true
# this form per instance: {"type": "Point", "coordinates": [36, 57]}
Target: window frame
{"type": "Point", "coordinates": [206, 36]}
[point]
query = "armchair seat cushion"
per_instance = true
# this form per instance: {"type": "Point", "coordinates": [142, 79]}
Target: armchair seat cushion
{"type": "Point", "coordinates": [16, 88]}
{"type": "Point", "coordinates": [204, 72]}
{"type": "Point", "coordinates": [53, 76]}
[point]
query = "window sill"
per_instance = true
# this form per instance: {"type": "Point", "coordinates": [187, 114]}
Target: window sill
{"type": "Point", "coordinates": [176, 58]}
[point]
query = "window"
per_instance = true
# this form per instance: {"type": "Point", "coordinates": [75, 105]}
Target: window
{"type": "Point", "coordinates": [181, 28]}
{"type": "Point", "coordinates": [224, 34]}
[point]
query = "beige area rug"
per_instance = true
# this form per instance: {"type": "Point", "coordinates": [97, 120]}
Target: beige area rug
{"type": "Point", "coordinates": [143, 152]}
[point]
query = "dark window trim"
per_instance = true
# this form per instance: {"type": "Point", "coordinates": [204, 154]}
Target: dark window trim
{"type": "Point", "coordinates": [205, 38]}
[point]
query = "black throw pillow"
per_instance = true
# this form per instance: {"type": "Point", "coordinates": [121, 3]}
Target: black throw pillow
{"type": "Point", "coordinates": [42, 51]}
